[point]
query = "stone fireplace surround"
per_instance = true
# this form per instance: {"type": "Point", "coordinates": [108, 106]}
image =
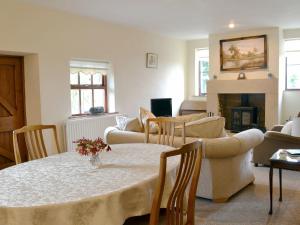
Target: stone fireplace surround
{"type": "Point", "coordinates": [269, 87]}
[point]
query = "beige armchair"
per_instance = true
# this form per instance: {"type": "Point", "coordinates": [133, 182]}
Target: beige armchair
{"type": "Point", "coordinates": [273, 141]}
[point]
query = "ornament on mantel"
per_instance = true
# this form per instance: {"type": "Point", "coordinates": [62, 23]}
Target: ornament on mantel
{"type": "Point", "coordinates": [241, 76]}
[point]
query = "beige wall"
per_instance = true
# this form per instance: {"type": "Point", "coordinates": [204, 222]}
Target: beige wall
{"type": "Point", "coordinates": [49, 39]}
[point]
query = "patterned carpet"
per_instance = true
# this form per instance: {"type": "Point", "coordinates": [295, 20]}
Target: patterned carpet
{"type": "Point", "coordinates": [251, 205]}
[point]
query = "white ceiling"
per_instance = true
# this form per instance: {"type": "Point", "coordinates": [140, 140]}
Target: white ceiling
{"type": "Point", "coordinates": [186, 19]}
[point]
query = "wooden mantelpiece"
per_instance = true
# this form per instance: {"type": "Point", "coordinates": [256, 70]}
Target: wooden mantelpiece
{"type": "Point", "coordinates": [269, 87]}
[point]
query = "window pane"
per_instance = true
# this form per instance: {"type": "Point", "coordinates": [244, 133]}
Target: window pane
{"type": "Point", "coordinates": [86, 100]}
{"type": "Point", "coordinates": [97, 79]}
{"type": "Point", "coordinates": [74, 78]}
{"type": "Point", "coordinates": [75, 102]}
{"type": "Point", "coordinates": [293, 76]}
{"type": "Point", "coordinates": [203, 67]}
{"type": "Point", "coordinates": [292, 45]}
{"type": "Point", "coordinates": [99, 97]}
{"type": "Point", "coordinates": [85, 78]}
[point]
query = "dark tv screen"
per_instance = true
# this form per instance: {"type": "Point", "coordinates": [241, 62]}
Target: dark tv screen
{"type": "Point", "coordinates": [161, 106]}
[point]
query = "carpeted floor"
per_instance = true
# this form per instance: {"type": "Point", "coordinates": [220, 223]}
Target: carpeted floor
{"type": "Point", "coordinates": [251, 205]}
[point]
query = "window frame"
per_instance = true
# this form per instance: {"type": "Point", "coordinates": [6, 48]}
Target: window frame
{"type": "Point", "coordinates": [199, 74]}
{"type": "Point", "coordinates": [93, 87]}
{"type": "Point", "coordinates": [201, 93]}
{"type": "Point", "coordinates": [286, 70]}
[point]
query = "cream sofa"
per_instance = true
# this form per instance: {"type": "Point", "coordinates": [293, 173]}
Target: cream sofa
{"type": "Point", "coordinates": [226, 166]}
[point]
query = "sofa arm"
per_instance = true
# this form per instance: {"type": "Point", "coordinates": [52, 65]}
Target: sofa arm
{"type": "Point", "coordinates": [220, 147]}
{"type": "Point", "coordinates": [284, 138]}
{"type": "Point", "coordinates": [232, 146]}
{"type": "Point", "coordinates": [113, 135]}
{"type": "Point", "coordinates": [273, 141]}
{"type": "Point", "coordinates": [249, 139]}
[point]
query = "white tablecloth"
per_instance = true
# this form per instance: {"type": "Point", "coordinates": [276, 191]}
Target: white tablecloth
{"type": "Point", "coordinates": [65, 189]}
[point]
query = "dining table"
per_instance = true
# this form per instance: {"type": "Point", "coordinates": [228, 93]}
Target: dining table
{"type": "Point", "coordinates": [65, 189]}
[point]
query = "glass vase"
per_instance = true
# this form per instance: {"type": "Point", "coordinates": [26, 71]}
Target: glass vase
{"type": "Point", "coordinates": [95, 160]}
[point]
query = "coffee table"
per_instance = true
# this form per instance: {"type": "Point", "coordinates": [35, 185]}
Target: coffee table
{"type": "Point", "coordinates": [281, 160]}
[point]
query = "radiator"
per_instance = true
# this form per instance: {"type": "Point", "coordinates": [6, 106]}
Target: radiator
{"type": "Point", "coordinates": [88, 127]}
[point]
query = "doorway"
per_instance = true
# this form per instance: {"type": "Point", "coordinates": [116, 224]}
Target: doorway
{"type": "Point", "coordinates": [12, 107]}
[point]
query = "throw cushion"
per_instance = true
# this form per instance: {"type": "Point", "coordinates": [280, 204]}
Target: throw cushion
{"type": "Point", "coordinates": [144, 115]}
{"type": "Point", "coordinates": [296, 127]}
{"type": "Point", "coordinates": [209, 127]}
{"type": "Point", "coordinates": [191, 117]}
{"type": "Point", "coordinates": [121, 122]}
{"type": "Point", "coordinates": [287, 128]}
{"type": "Point", "coordinates": [128, 124]}
{"type": "Point", "coordinates": [133, 124]}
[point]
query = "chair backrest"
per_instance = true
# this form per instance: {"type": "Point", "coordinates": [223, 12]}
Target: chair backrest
{"type": "Point", "coordinates": [34, 140]}
{"type": "Point", "coordinates": [187, 176]}
{"type": "Point", "coordinates": [166, 129]}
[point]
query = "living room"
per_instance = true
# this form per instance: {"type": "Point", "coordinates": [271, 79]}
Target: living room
{"type": "Point", "coordinates": [161, 50]}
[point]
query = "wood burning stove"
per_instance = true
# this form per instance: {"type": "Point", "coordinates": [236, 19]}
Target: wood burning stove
{"type": "Point", "coordinates": [243, 118]}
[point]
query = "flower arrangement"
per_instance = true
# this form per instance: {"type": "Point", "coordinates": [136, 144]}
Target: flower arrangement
{"type": "Point", "coordinates": [91, 147]}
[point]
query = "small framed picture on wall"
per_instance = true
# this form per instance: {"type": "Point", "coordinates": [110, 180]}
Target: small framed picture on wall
{"type": "Point", "coordinates": [151, 60]}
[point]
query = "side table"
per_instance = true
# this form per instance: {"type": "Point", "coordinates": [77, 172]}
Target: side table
{"type": "Point", "coordinates": [281, 160]}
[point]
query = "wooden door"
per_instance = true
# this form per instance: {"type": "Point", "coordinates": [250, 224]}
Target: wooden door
{"type": "Point", "coordinates": [12, 113]}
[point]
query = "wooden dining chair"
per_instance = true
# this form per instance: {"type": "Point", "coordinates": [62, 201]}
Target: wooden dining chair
{"type": "Point", "coordinates": [34, 139]}
{"type": "Point", "coordinates": [166, 130]}
{"type": "Point", "coordinates": [177, 213]}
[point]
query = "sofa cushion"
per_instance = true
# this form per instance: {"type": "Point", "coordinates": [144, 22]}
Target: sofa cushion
{"type": "Point", "coordinates": [209, 127]}
{"type": "Point", "coordinates": [192, 117]}
{"type": "Point", "coordinates": [287, 128]}
{"type": "Point", "coordinates": [296, 127]}
{"type": "Point", "coordinates": [144, 115]}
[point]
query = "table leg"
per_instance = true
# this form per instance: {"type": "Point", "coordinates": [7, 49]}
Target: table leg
{"type": "Point", "coordinates": [280, 185]}
{"type": "Point", "coordinates": [271, 189]}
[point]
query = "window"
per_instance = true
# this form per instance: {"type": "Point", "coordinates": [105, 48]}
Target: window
{"type": "Point", "coordinates": [88, 86]}
{"type": "Point", "coordinates": [292, 54]}
{"type": "Point", "coordinates": [201, 70]}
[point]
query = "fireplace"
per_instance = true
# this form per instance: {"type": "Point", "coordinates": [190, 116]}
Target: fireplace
{"type": "Point", "coordinates": [243, 111]}
{"type": "Point", "coordinates": [263, 93]}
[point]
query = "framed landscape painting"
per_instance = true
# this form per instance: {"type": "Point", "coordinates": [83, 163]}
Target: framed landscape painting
{"type": "Point", "coordinates": [245, 53]}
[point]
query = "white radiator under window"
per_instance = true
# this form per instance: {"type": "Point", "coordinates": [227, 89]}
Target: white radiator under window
{"type": "Point", "coordinates": [88, 127]}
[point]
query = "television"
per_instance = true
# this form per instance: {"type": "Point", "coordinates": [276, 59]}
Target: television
{"type": "Point", "coordinates": [161, 106]}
